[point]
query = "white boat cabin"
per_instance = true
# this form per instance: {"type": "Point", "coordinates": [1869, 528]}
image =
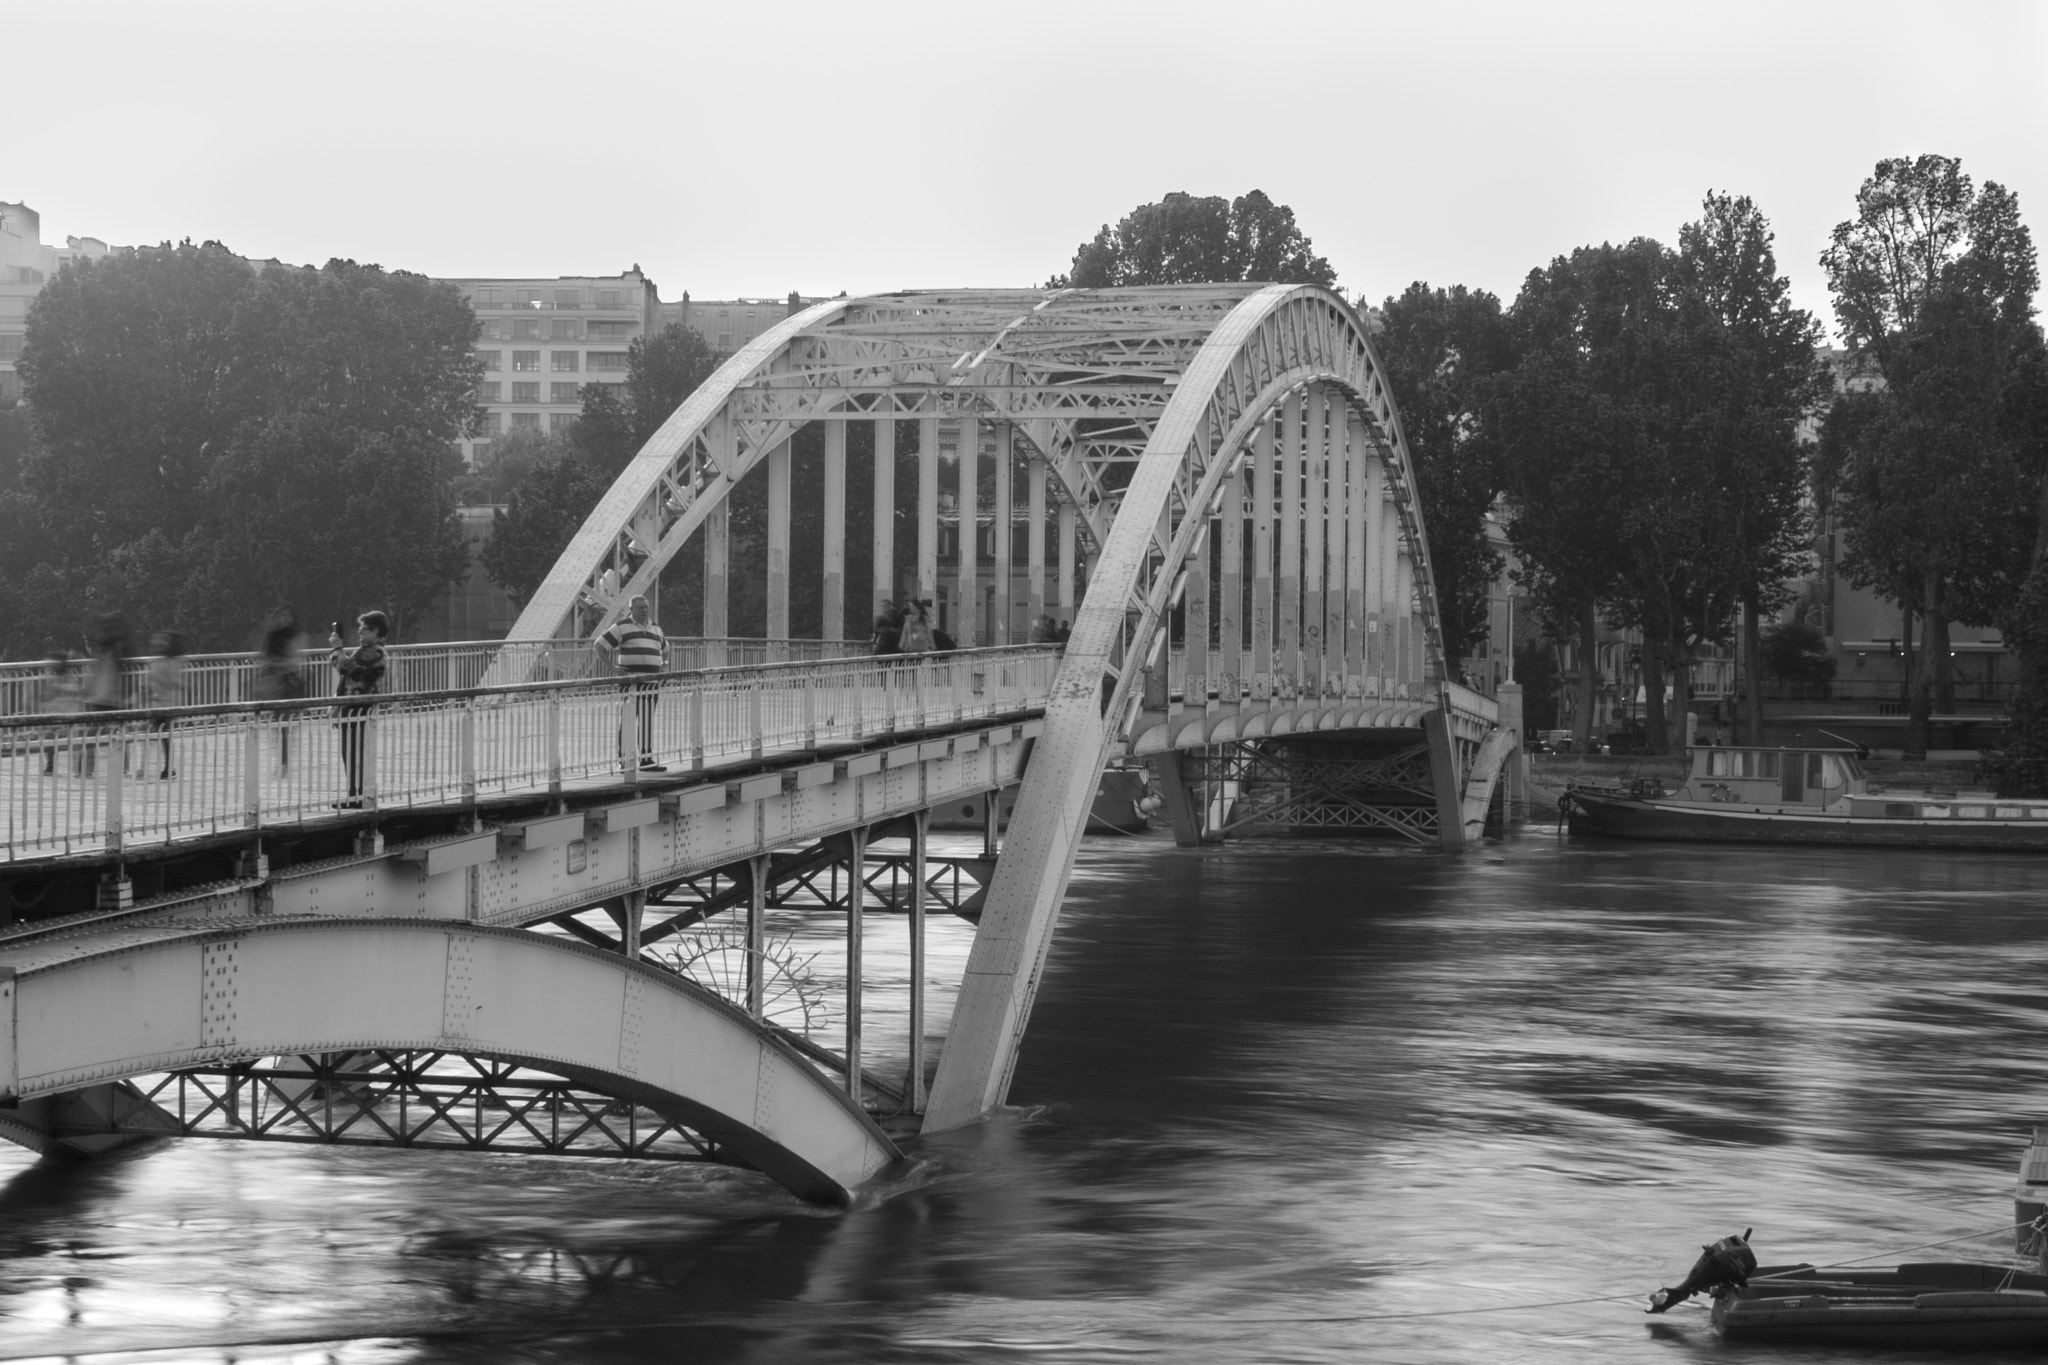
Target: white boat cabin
{"type": "Point", "coordinates": [1778, 777]}
{"type": "Point", "coordinates": [1828, 778]}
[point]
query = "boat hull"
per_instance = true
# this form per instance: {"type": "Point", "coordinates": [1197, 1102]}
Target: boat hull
{"type": "Point", "coordinates": [1626, 817]}
{"type": "Point", "coordinates": [1935, 1306]}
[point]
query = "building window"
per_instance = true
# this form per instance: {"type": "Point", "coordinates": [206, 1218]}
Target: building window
{"type": "Point", "coordinates": [561, 421]}
{"type": "Point", "coordinates": [562, 362]}
{"type": "Point", "coordinates": [490, 360]}
{"type": "Point", "coordinates": [725, 341]}
{"type": "Point", "coordinates": [611, 329]}
{"type": "Point", "coordinates": [601, 361]}
{"type": "Point", "coordinates": [487, 298]}
{"type": "Point", "coordinates": [479, 453]}
{"type": "Point", "coordinates": [489, 425]}
{"type": "Point", "coordinates": [10, 345]}
{"type": "Point", "coordinates": [608, 298]}
{"type": "Point", "coordinates": [487, 392]}
{"type": "Point", "coordinates": [529, 298]}
{"type": "Point", "coordinates": [526, 362]}
{"type": "Point", "coordinates": [493, 329]}
{"type": "Point", "coordinates": [526, 421]}
{"type": "Point", "coordinates": [568, 298]}
{"type": "Point", "coordinates": [562, 329]}
{"type": "Point", "coordinates": [526, 329]}
{"type": "Point", "coordinates": [561, 393]}
{"type": "Point", "coordinates": [526, 393]}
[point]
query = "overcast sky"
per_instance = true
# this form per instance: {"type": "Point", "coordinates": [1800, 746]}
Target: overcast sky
{"type": "Point", "coordinates": [751, 149]}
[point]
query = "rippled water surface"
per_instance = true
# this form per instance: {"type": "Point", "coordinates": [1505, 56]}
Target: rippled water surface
{"type": "Point", "coordinates": [1278, 1103]}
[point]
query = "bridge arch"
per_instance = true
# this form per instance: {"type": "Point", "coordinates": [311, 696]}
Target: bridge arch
{"type": "Point", "coordinates": [1197, 432]}
{"type": "Point", "coordinates": [80, 1012]}
{"type": "Point", "coordinates": [1276, 344]}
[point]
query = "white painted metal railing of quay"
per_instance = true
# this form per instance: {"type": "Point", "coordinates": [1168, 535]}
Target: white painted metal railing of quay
{"type": "Point", "coordinates": [94, 784]}
{"type": "Point", "coordinates": [221, 679]}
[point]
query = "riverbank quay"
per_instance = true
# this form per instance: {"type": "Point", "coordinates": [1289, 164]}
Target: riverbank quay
{"type": "Point", "coordinates": [1551, 774]}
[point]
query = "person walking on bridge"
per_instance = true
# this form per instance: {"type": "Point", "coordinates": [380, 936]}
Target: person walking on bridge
{"type": "Point", "coordinates": [636, 648]}
{"type": "Point", "coordinates": [361, 671]}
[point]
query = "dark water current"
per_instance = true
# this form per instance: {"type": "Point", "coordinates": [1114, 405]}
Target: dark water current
{"type": "Point", "coordinates": [1279, 1103]}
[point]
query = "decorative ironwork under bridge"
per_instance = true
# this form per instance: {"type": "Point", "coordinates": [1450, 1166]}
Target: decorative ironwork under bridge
{"type": "Point", "coordinates": [474, 918]}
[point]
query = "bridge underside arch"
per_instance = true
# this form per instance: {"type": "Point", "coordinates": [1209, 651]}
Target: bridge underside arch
{"type": "Point", "coordinates": [80, 1013]}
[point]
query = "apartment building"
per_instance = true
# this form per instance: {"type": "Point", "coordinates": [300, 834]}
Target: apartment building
{"type": "Point", "coordinates": [544, 339]}
{"type": "Point", "coordinates": [729, 324]}
{"type": "Point", "coordinates": [26, 265]}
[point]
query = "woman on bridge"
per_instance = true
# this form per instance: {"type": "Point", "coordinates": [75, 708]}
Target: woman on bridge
{"type": "Point", "coordinates": [362, 675]}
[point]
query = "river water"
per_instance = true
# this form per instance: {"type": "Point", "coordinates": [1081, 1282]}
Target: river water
{"type": "Point", "coordinates": [1279, 1102]}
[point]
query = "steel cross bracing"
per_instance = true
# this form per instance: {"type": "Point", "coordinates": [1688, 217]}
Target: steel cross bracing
{"type": "Point", "coordinates": [392, 1099]}
{"type": "Point", "coordinates": [1307, 790]}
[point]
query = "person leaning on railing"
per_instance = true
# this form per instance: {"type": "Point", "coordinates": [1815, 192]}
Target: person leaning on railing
{"type": "Point", "coordinates": [361, 671]}
{"type": "Point", "coordinates": [635, 646]}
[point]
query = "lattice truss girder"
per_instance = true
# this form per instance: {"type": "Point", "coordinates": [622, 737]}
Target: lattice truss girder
{"type": "Point", "coordinates": [1283, 785]}
{"type": "Point", "coordinates": [443, 1100]}
{"type": "Point", "coordinates": [1085, 376]}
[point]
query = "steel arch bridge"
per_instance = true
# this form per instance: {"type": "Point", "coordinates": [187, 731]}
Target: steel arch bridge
{"type": "Point", "coordinates": [1232, 485]}
{"type": "Point", "coordinates": [1210, 483]}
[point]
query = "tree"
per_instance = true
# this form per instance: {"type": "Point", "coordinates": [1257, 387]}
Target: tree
{"type": "Point", "coordinates": [1186, 240]}
{"type": "Point", "coordinates": [661, 371]}
{"type": "Point", "coordinates": [1572, 429]}
{"type": "Point", "coordinates": [1751, 375]}
{"type": "Point", "coordinates": [1440, 348]}
{"type": "Point", "coordinates": [1933, 285]}
{"type": "Point", "coordinates": [547, 505]}
{"type": "Point", "coordinates": [211, 438]}
{"type": "Point", "coordinates": [544, 510]}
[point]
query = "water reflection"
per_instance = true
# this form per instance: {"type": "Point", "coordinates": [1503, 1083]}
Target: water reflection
{"type": "Point", "coordinates": [1279, 1103]}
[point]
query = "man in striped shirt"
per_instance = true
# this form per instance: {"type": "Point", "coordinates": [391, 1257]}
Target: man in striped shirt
{"type": "Point", "coordinates": [636, 647]}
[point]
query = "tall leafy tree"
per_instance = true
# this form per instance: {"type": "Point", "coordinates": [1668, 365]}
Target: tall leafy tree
{"type": "Point", "coordinates": [1750, 375]}
{"type": "Point", "coordinates": [1441, 347]}
{"type": "Point", "coordinates": [1185, 239]}
{"type": "Point", "coordinates": [1933, 283]}
{"type": "Point", "coordinates": [661, 371]}
{"type": "Point", "coordinates": [1573, 426]}
{"type": "Point", "coordinates": [212, 438]}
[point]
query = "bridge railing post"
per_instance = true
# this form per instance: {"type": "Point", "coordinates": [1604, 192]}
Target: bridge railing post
{"type": "Point", "coordinates": [468, 722]}
{"type": "Point", "coordinates": [553, 715]}
{"type": "Point", "coordinates": [117, 762]}
{"type": "Point", "coordinates": [811, 707]}
{"type": "Point", "coordinates": [754, 722]}
{"type": "Point", "coordinates": [252, 769]}
{"type": "Point", "coordinates": [372, 788]}
{"type": "Point", "coordinates": [696, 713]}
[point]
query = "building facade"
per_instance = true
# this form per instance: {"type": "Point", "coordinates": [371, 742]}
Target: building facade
{"type": "Point", "coordinates": [729, 324]}
{"type": "Point", "coordinates": [26, 265]}
{"type": "Point", "coordinates": [544, 339]}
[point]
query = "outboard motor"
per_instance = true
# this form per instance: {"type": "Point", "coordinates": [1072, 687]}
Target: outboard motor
{"type": "Point", "coordinates": [1726, 1262]}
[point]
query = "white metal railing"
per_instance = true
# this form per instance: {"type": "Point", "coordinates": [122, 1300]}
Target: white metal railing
{"type": "Point", "coordinates": [221, 679]}
{"type": "Point", "coordinates": [92, 783]}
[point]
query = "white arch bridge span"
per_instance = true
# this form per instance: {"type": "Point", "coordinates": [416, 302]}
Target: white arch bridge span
{"type": "Point", "coordinates": [1209, 482]}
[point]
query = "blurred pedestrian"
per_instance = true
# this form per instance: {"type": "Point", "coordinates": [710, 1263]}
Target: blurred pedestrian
{"type": "Point", "coordinates": [916, 635]}
{"type": "Point", "coordinates": [888, 630]}
{"type": "Point", "coordinates": [361, 674]}
{"type": "Point", "coordinates": [105, 685]}
{"type": "Point", "coordinates": [279, 678]}
{"type": "Point", "coordinates": [637, 649]}
{"type": "Point", "coordinates": [1041, 630]}
{"type": "Point", "coordinates": [1059, 637]}
{"type": "Point", "coordinates": [59, 697]}
{"type": "Point", "coordinates": [166, 688]}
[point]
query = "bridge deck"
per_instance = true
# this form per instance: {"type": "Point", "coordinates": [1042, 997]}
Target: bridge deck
{"type": "Point", "coordinates": [91, 787]}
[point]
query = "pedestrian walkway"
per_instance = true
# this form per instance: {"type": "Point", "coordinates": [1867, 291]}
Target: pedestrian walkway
{"type": "Point", "coordinates": [90, 786]}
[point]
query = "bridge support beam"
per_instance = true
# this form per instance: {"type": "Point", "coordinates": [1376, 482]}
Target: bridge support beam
{"type": "Point", "coordinates": [1446, 777]}
{"type": "Point", "coordinates": [83, 1122]}
{"type": "Point", "coordinates": [1182, 810]}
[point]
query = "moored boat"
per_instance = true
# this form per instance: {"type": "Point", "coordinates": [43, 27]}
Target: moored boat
{"type": "Point", "coordinates": [1945, 1305]}
{"type": "Point", "coordinates": [1801, 796]}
